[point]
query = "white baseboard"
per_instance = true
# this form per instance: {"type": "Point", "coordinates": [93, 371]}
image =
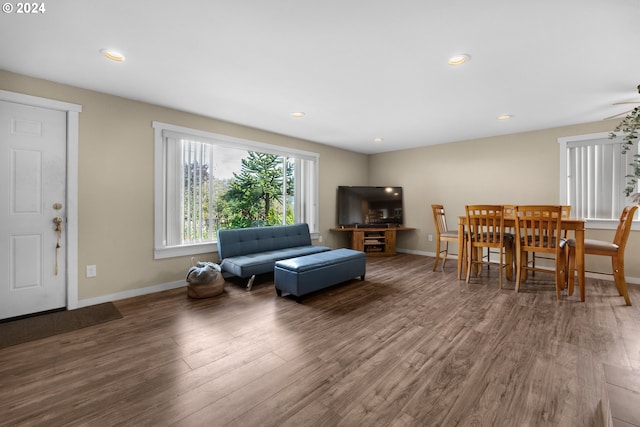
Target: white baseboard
{"type": "Point", "coordinates": [414, 252]}
{"type": "Point", "coordinates": [131, 293]}
{"type": "Point", "coordinates": [629, 280]}
{"type": "Point", "coordinates": [181, 283]}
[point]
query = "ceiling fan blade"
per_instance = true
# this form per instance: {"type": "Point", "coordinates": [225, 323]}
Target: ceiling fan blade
{"type": "Point", "coordinates": [616, 115]}
{"type": "Point", "coordinates": [626, 102]}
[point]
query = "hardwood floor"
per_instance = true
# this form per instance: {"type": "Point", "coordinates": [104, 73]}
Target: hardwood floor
{"type": "Point", "coordinates": [405, 347]}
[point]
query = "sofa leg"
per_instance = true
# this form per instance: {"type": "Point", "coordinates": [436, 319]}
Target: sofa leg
{"type": "Point", "coordinates": [362, 277]}
{"type": "Point", "coordinates": [279, 292]}
{"type": "Point", "coordinates": [250, 283]}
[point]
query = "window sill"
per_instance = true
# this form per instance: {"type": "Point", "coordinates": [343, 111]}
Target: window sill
{"type": "Point", "coordinates": [608, 224]}
{"type": "Point", "coordinates": [177, 251]}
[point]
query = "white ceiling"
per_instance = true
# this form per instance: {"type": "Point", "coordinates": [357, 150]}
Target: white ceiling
{"type": "Point", "coordinates": [359, 69]}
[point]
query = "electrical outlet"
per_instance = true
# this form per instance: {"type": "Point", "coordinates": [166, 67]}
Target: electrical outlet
{"type": "Point", "coordinates": [430, 237]}
{"type": "Point", "coordinates": [91, 271]}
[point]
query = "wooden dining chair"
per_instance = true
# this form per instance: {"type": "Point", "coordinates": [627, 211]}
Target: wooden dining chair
{"type": "Point", "coordinates": [510, 212]}
{"type": "Point", "coordinates": [564, 213]}
{"type": "Point", "coordinates": [539, 230]}
{"type": "Point", "coordinates": [509, 233]}
{"type": "Point", "coordinates": [614, 249]}
{"type": "Point", "coordinates": [444, 236]}
{"type": "Point", "coordinates": [485, 230]}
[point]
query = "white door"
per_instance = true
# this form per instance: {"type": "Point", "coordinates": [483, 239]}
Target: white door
{"type": "Point", "coordinates": [32, 194]}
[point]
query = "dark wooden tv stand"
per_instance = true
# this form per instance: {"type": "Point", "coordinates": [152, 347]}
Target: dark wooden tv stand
{"type": "Point", "coordinates": [373, 241]}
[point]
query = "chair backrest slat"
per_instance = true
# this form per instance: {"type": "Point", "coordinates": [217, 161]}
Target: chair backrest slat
{"type": "Point", "coordinates": [486, 224]}
{"type": "Point", "coordinates": [538, 227]}
{"type": "Point", "coordinates": [624, 226]}
{"type": "Point", "coordinates": [439, 218]}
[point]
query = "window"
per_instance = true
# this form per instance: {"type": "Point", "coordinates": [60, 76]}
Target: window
{"type": "Point", "coordinates": [205, 182]}
{"type": "Point", "coordinates": [593, 177]}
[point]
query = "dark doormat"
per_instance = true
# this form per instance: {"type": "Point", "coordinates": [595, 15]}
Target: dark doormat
{"type": "Point", "coordinates": [31, 328]}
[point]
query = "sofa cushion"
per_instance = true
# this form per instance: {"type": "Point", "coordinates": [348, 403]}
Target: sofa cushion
{"type": "Point", "coordinates": [263, 262]}
{"type": "Point", "coordinates": [243, 241]}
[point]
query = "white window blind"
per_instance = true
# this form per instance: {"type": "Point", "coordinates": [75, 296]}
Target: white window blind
{"type": "Point", "coordinates": [188, 183]}
{"type": "Point", "coordinates": [596, 173]}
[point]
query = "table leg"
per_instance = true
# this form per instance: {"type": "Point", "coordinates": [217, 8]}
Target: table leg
{"type": "Point", "coordinates": [477, 256]}
{"type": "Point", "coordinates": [580, 261]}
{"type": "Point", "coordinates": [461, 250]}
{"type": "Point", "coordinates": [509, 261]}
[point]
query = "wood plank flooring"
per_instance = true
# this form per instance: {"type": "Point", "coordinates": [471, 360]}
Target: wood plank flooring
{"type": "Point", "coordinates": [405, 347]}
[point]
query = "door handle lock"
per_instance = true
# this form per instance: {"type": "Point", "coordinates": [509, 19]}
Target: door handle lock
{"type": "Point", "coordinates": [58, 222]}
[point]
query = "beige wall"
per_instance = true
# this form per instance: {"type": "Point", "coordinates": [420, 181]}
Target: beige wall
{"type": "Point", "coordinates": [510, 169]}
{"type": "Point", "coordinates": [115, 194]}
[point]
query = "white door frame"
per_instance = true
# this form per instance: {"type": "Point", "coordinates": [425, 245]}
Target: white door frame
{"type": "Point", "coordinates": [73, 115]}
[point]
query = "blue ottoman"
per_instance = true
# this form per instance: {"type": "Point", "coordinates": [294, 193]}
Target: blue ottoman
{"type": "Point", "coordinates": [310, 273]}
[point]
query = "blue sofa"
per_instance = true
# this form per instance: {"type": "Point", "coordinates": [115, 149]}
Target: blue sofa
{"type": "Point", "coordinates": [245, 252]}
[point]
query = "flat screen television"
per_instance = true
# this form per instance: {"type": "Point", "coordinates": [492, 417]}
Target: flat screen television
{"type": "Point", "coordinates": [369, 206]}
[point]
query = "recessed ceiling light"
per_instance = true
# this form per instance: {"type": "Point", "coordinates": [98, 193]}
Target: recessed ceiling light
{"type": "Point", "coordinates": [378, 139]}
{"type": "Point", "coordinates": [113, 55]}
{"type": "Point", "coordinates": [297, 114]}
{"type": "Point", "coordinates": [458, 59]}
{"type": "Point", "coordinates": [504, 117]}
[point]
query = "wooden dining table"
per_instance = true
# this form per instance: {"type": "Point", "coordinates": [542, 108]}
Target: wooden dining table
{"type": "Point", "coordinates": [576, 225]}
